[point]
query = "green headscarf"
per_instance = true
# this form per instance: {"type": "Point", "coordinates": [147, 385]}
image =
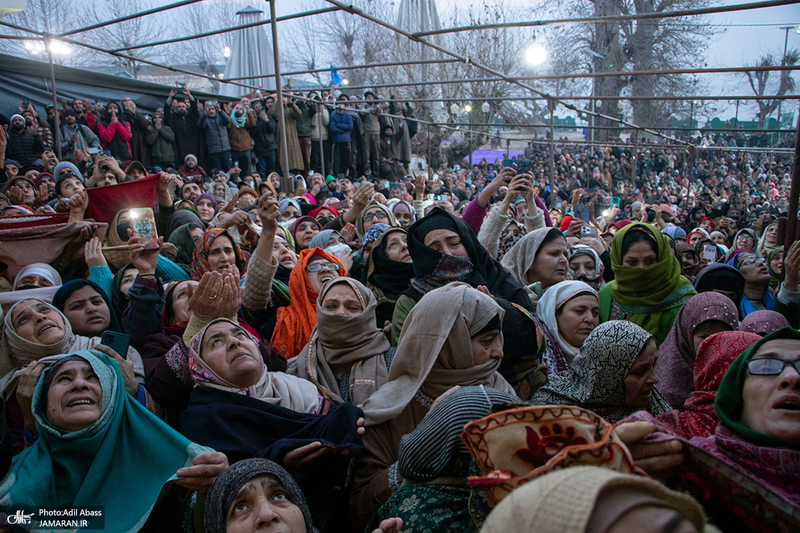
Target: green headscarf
{"type": "Point", "coordinates": [122, 461]}
{"type": "Point", "coordinates": [646, 294]}
{"type": "Point", "coordinates": [729, 402]}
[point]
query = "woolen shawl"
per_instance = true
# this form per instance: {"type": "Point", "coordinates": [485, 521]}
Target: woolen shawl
{"type": "Point", "coordinates": [435, 350]}
{"type": "Point", "coordinates": [549, 304]}
{"type": "Point", "coordinates": [345, 340]}
{"type": "Point", "coordinates": [227, 484]}
{"type": "Point", "coordinates": [645, 294]}
{"type": "Point", "coordinates": [275, 388]}
{"type": "Point", "coordinates": [519, 259]}
{"type": "Point", "coordinates": [676, 355]}
{"type": "Point", "coordinates": [696, 417]}
{"type": "Point", "coordinates": [200, 264]}
{"type": "Point", "coordinates": [564, 501]}
{"type": "Point", "coordinates": [85, 467]}
{"type": "Point", "coordinates": [429, 264]}
{"type": "Point", "coordinates": [596, 380]}
{"type": "Point", "coordinates": [294, 323]}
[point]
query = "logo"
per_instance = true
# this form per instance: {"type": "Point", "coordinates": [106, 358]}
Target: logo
{"type": "Point", "coordinates": [19, 518]}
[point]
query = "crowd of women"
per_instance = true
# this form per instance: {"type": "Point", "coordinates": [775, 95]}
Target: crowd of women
{"type": "Point", "coordinates": [354, 363]}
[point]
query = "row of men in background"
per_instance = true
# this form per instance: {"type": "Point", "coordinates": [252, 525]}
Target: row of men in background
{"type": "Point", "coordinates": [320, 136]}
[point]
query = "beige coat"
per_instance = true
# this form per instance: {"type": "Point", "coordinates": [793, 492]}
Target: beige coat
{"type": "Point", "coordinates": [291, 112]}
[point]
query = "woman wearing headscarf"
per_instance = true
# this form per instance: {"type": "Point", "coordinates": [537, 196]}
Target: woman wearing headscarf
{"type": "Point", "coordinates": [452, 337]}
{"type": "Point", "coordinates": [763, 322]}
{"type": "Point", "coordinates": [373, 213]}
{"type": "Point", "coordinates": [206, 207]}
{"type": "Point", "coordinates": [538, 261]}
{"type": "Point", "coordinates": [444, 249]}
{"type": "Point", "coordinates": [404, 213]}
{"type": "Point", "coordinates": [745, 239]}
{"type": "Point", "coordinates": [185, 238]}
{"type": "Point", "coordinates": [347, 356]}
{"type": "Point", "coordinates": [83, 452]}
{"type": "Point", "coordinates": [613, 375]}
{"type": "Point", "coordinates": [696, 416]}
{"type": "Point", "coordinates": [304, 229]}
{"type": "Point", "coordinates": [255, 485]}
{"type": "Point", "coordinates": [723, 279]}
{"type": "Point", "coordinates": [218, 252]}
{"type": "Point", "coordinates": [648, 288]}
{"type": "Point", "coordinates": [434, 463]}
{"type": "Point", "coordinates": [36, 275]}
{"type": "Point", "coordinates": [389, 271]}
{"type": "Point", "coordinates": [583, 499]}
{"type": "Point", "coordinates": [567, 312]}
{"type": "Point", "coordinates": [290, 210]}
{"type": "Point", "coordinates": [87, 307]}
{"type": "Point", "coordinates": [747, 471]}
{"type": "Point", "coordinates": [295, 322]}
{"type": "Point", "coordinates": [242, 409]}
{"type": "Point", "coordinates": [775, 266]}
{"type": "Point", "coordinates": [769, 240]}
{"type": "Point", "coordinates": [702, 316]}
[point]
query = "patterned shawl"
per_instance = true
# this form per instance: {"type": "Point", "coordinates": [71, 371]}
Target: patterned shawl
{"type": "Point", "coordinates": [763, 322]}
{"type": "Point", "coordinates": [200, 256]}
{"type": "Point", "coordinates": [676, 356]}
{"type": "Point", "coordinates": [596, 380]}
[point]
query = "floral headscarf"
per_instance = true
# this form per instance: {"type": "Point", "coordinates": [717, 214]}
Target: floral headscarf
{"type": "Point", "coordinates": [200, 256]}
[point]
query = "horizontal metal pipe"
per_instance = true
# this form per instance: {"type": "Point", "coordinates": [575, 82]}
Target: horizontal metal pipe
{"type": "Point", "coordinates": [612, 18]}
{"type": "Point", "coordinates": [128, 17]}
{"type": "Point", "coordinates": [227, 30]}
{"type": "Point", "coordinates": [356, 67]}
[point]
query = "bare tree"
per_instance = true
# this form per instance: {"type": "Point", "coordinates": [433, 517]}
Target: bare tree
{"type": "Point", "coordinates": [51, 16]}
{"type": "Point", "coordinates": [759, 80]}
{"type": "Point", "coordinates": [132, 32]}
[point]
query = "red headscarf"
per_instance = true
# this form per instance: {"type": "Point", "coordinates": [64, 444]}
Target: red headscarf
{"type": "Point", "coordinates": [314, 212]}
{"type": "Point", "coordinates": [294, 323]}
{"type": "Point", "coordinates": [714, 357]}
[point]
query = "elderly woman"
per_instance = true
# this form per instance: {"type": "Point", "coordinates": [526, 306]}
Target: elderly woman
{"type": "Point", "coordinates": [745, 239]}
{"type": "Point", "coordinates": [347, 355]}
{"type": "Point", "coordinates": [295, 322]}
{"type": "Point", "coordinates": [747, 470]}
{"type": "Point", "coordinates": [444, 249]}
{"type": "Point", "coordinates": [373, 213]}
{"type": "Point", "coordinates": [452, 337]}
{"type": "Point", "coordinates": [242, 409]}
{"type": "Point", "coordinates": [648, 288]}
{"type": "Point", "coordinates": [702, 316]}
{"type": "Point", "coordinates": [538, 261]}
{"type": "Point", "coordinates": [613, 375]}
{"type": "Point", "coordinates": [389, 271]}
{"type": "Point", "coordinates": [36, 276]}
{"type": "Point", "coordinates": [568, 312]}
{"type": "Point", "coordinates": [218, 252]}
{"type": "Point", "coordinates": [92, 434]}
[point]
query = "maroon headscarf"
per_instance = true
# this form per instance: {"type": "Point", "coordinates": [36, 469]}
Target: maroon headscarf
{"type": "Point", "coordinates": [763, 322]}
{"type": "Point", "coordinates": [676, 355]}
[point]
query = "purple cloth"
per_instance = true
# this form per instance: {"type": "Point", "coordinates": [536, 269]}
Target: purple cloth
{"type": "Point", "coordinates": [475, 214]}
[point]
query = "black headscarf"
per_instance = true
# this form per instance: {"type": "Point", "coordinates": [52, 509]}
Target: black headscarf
{"type": "Point", "coordinates": [720, 276]}
{"type": "Point", "coordinates": [391, 277]}
{"type": "Point", "coordinates": [180, 218]}
{"type": "Point", "coordinates": [227, 484]}
{"type": "Point", "coordinates": [486, 270]}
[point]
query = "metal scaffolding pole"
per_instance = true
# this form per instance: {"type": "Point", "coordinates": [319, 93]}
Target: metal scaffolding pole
{"type": "Point", "coordinates": [127, 17]}
{"type": "Point", "coordinates": [286, 182]}
{"type": "Point", "coordinates": [552, 105]}
{"type": "Point", "coordinates": [368, 65]}
{"type": "Point", "coordinates": [665, 98]}
{"type": "Point", "coordinates": [469, 61]}
{"type": "Point", "coordinates": [227, 30]}
{"type": "Point", "coordinates": [613, 18]}
{"type": "Point", "coordinates": [56, 127]}
{"type": "Point", "coordinates": [635, 168]}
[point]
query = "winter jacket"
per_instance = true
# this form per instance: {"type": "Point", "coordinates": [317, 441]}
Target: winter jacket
{"type": "Point", "coordinates": [24, 147]}
{"type": "Point", "coordinates": [304, 120]}
{"type": "Point", "coordinates": [85, 139]}
{"type": "Point", "coordinates": [160, 142]}
{"type": "Point", "coordinates": [139, 124]}
{"type": "Point", "coordinates": [216, 132]}
{"type": "Point", "coordinates": [264, 134]}
{"type": "Point", "coordinates": [186, 130]}
{"type": "Point", "coordinates": [369, 118]}
{"type": "Point", "coordinates": [115, 137]}
{"type": "Point", "coordinates": [340, 126]}
{"type": "Point", "coordinates": [319, 125]}
{"type": "Point", "coordinates": [240, 138]}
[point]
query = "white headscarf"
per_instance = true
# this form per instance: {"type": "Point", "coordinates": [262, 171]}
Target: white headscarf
{"type": "Point", "coordinates": [552, 300]}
